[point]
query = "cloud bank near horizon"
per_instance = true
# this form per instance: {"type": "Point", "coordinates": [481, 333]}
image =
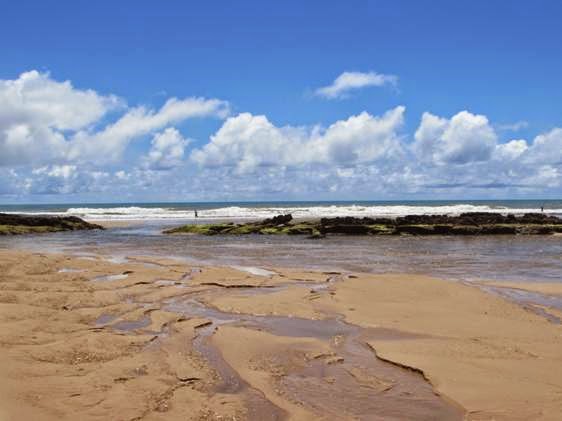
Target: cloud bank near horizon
{"type": "Point", "coordinates": [56, 139]}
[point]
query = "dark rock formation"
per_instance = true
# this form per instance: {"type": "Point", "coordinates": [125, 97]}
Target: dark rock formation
{"type": "Point", "coordinates": [278, 220]}
{"type": "Point", "coordinates": [475, 223]}
{"type": "Point", "coordinates": [23, 224]}
{"type": "Point", "coordinates": [349, 229]}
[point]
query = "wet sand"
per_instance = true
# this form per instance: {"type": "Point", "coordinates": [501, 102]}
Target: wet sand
{"type": "Point", "coordinates": [146, 338]}
{"type": "Point", "coordinates": [116, 223]}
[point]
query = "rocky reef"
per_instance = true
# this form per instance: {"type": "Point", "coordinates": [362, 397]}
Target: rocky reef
{"type": "Point", "coordinates": [12, 224]}
{"type": "Point", "coordinates": [474, 223]}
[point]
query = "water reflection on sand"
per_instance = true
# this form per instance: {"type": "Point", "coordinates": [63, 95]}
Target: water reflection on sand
{"type": "Point", "coordinates": [531, 258]}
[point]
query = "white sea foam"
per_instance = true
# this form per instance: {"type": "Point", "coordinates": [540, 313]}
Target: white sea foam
{"type": "Point", "coordinates": [312, 211]}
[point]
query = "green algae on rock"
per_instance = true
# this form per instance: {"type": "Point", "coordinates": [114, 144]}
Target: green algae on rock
{"type": "Point", "coordinates": [475, 223]}
{"type": "Point", "coordinates": [12, 224]}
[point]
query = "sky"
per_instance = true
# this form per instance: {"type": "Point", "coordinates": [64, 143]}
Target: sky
{"type": "Point", "coordinates": [297, 100]}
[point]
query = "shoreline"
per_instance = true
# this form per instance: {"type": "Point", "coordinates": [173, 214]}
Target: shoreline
{"type": "Point", "coordinates": [111, 321]}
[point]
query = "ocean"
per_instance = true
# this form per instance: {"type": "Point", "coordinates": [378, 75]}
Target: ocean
{"type": "Point", "coordinates": [259, 210]}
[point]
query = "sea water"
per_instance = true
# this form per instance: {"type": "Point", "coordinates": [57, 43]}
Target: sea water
{"type": "Point", "coordinates": [511, 258]}
{"type": "Point", "coordinates": [259, 210]}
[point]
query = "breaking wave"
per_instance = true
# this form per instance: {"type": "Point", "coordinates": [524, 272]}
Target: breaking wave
{"type": "Point", "coordinates": [185, 212]}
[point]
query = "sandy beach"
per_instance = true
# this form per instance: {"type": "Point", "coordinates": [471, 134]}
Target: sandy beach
{"type": "Point", "coordinates": [155, 339]}
{"type": "Point", "coordinates": [281, 211]}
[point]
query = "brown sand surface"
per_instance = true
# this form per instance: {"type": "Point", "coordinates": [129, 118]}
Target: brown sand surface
{"type": "Point", "coordinates": [157, 339]}
{"type": "Point", "coordinates": [118, 223]}
{"type": "Point", "coordinates": [493, 357]}
{"type": "Point", "coordinates": [549, 288]}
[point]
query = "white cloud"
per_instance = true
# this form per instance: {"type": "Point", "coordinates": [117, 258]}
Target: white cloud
{"type": "Point", "coordinates": [11, 182]}
{"type": "Point", "coordinates": [366, 156]}
{"type": "Point", "coordinates": [511, 150]}
{"type": "Point", "coordinates": [543, 177]}
{"type": "Point", "coordinates": [58, 171]}
{"type": "Point", "coordinates": [247, 142]}
{"type": "Point", "coordinates": [45, 121]}
{"type": "Point", "coordinates": [66, 179]}
{"type": "Point", "coordinates": [28, 143]}
{"type": "Point", "coordinates": [513, 127]}
{"type": "Point", "coordinates": [350, 81]}
{"type": "Point", "coordinates": [546, 148]}
{"type": "Point", "coordinates": [34, 112]}
{"type": "Point", "coordinates": [121, 175]}
{"type": "Point", "coordinates": [464, 138]}
{"type": "Point", "coordinates": [167, 150]}
{"type": "Point", "coordinates": [57, 139]}
{"type": "Point", "coordinates": [109, 143]}
{"type": "Point", "coordinates": [36, 99]}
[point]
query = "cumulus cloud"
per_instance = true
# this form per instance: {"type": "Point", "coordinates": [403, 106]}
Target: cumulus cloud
{"type": "Point", "coordinates": [464, 138]}
{"type": "Point", "coordinates": [45, 121]}
{"type": "Point", "coordinates": [57, 171]}
{"type": "Point", "coordinates": [29, 144]}
{"type": "Point", "coordinates": [37, 99]}
{"type": "Point", "coordinates": [546, 148]}
{"type": "Point", "coordinates": [167, 150]}
{"type": "Point", "coordinates": [35, 110]}
{"type": "Point", "coordinates": [247, 142]}
{"type": "Point", "coordinates": [90, 181]}
{"type": "Point", "coordinates": [57, 139]}
{"type": "Point", "coordinates": [365, 155]}
{"type": "Point", "coordinates": [511, 150]}
{"type": "Point", "coordinates": [66, 179]}
{"type": "Point", "coordinates": [109, 143]}
{"type": "Point", "coordinates": [543, 177]}
{"type": "Point", "coordinates": [352, 81]}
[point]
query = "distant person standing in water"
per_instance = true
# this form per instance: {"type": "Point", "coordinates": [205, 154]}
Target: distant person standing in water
{"type": "Point", "coordinates": [196, 215]}
{"type": "Point", "coordinates": [542, 208]}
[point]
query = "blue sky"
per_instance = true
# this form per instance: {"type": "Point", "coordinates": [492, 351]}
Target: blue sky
{"type": "Point", "coordinates": [499, 60]}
